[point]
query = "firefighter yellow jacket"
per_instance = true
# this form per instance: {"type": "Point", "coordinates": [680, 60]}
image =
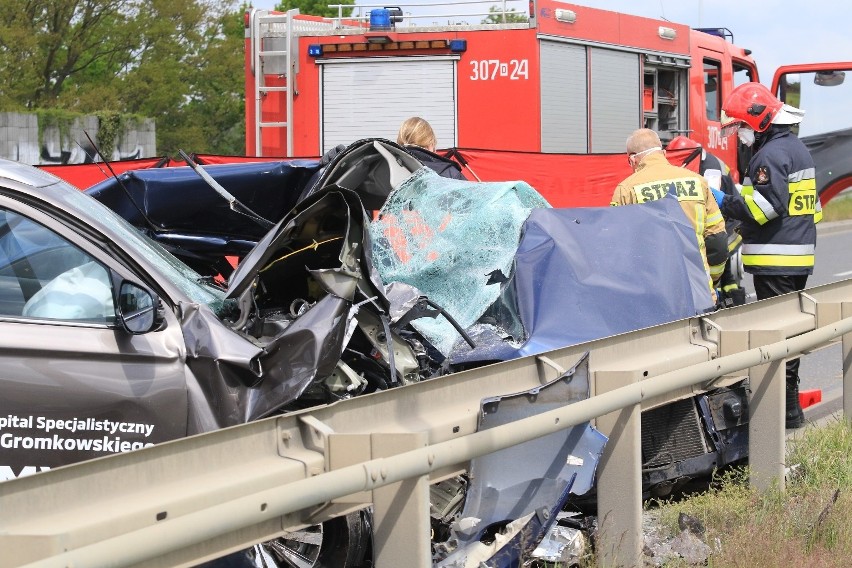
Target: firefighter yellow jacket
{"type": "Point", "coordinates": [655, 177]}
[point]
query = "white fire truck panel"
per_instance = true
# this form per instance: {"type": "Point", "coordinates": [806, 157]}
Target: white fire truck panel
{"type": "Point", "coordinates": [564, 103]}
{"type": "Point", "coordinates": [370, 98]}
{"type": "Point", "coordinates": [615, 102]}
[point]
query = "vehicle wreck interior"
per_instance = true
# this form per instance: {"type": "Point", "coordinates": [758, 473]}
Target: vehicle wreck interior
{"type": "Point", "coordinates": [315, 255]}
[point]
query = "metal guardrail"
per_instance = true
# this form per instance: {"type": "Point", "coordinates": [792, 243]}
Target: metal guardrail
{"type": "Point", "coordinates": [182, 502]}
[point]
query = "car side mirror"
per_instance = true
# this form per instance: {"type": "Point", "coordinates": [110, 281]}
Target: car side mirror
{"type": "Point", "coordinates": [137, 308]}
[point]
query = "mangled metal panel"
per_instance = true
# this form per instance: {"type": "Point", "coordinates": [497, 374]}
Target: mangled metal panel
{"type": "Point", "coordinates": [605, 271]}
{"type": "Point", "coordinates": [514, 495]}
{"type": "Point", "coordinates": [292, 298]}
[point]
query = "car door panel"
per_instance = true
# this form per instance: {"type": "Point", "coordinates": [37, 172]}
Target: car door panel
{"type": "Point", "coordinates": [74, 389]}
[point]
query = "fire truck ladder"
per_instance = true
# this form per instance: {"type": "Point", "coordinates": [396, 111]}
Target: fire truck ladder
{"type": "Point", "coordinates": [273, 54]}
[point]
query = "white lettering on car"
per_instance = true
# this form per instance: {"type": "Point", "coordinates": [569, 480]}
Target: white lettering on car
{"type": "Point", "coordinates": [56, 442]}
{"type": "Point", "coordinates": [76, 425]}
{"type": "Point", "coordinates": [40, 433]}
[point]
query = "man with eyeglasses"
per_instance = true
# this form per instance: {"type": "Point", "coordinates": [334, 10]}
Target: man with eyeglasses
{"type": "Point", "coordinates": [653, 177]}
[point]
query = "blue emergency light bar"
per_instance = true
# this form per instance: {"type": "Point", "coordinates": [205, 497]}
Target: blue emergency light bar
{"type": "Point", "coordinates": [380, 19]}
{"type": "Point", "coordinates": [458, 45]}
{"type": "Point", "coordinates": [723, 33]}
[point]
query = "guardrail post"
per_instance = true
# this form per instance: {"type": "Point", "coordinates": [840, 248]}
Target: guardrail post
{"type": "Point", "coordinates": [766, 415]}
{"type": "Point", "coordinates": [401, 528]}
{"type": "Point", "coordinates": [846, 342]}
{"type": "Point", "coordinates": [619, 480]}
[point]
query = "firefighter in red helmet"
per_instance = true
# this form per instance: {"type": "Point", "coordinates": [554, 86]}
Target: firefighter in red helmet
{"type": "Point", "coordinates": [688, 153]}
{"type": "Point", "coordinates": [685, 151]}
{"type": "Point", "coordinates": [778, 205]}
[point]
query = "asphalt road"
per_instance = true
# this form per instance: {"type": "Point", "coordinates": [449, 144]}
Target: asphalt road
{"type": "Point", "coordinates": [823, 369]}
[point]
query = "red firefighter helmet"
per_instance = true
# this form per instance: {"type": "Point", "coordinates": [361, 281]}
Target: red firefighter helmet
{"type": "Point", "coordinates": [751, 104]}
{"type": "Point", "coordinates": [682, 151]}
{"type": "Point", "coordinates": [682, 143]}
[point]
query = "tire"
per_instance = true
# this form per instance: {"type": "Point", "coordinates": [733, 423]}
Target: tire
{"type": "Point", "coordinates": [339, 543]}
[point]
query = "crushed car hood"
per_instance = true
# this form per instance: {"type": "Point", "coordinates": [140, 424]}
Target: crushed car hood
{"type": "Point", "coordinates": [522, 278]}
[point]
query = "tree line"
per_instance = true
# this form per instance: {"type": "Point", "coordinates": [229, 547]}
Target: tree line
{"type": "Point", "coordinates": [180, 63]}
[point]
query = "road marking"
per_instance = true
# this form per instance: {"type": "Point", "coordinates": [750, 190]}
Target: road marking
{"type": "Point", "coordinates": [847, 273]}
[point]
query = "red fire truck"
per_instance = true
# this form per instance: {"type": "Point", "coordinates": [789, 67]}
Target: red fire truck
{"type": "Point", "coordinates": [550, 101]}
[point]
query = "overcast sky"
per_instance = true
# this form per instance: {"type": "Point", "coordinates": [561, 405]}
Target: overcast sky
{"type": "Point", "coordinates": [778, 32]}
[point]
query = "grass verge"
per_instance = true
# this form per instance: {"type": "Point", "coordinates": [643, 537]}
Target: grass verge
{"type": "Point", "coordinates": [838, 209]}
{"type": "Point", "coordinates": [810, 524]}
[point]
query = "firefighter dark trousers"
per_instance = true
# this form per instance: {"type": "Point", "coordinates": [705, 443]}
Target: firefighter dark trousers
{"type": "Point", "coordinates": [769, 286]}
{"type": "Point", "coordinates": [732, 294]}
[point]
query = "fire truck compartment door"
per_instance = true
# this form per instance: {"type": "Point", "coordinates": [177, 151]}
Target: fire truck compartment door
{"type": "Point", "coordinates": [370, 99]}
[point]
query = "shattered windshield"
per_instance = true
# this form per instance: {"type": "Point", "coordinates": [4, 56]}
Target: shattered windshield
{"type": "Point", "coordinates": [454, 241]}
{"type": "Point", "coordinates": [186, 279]}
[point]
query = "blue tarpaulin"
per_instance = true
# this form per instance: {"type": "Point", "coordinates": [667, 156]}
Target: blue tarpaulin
{"type": "Point", "coordinates": [586, 273]}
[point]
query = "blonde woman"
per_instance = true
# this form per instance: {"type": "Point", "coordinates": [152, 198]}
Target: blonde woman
{"type": "Point", "coordinates": [418, 138]}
